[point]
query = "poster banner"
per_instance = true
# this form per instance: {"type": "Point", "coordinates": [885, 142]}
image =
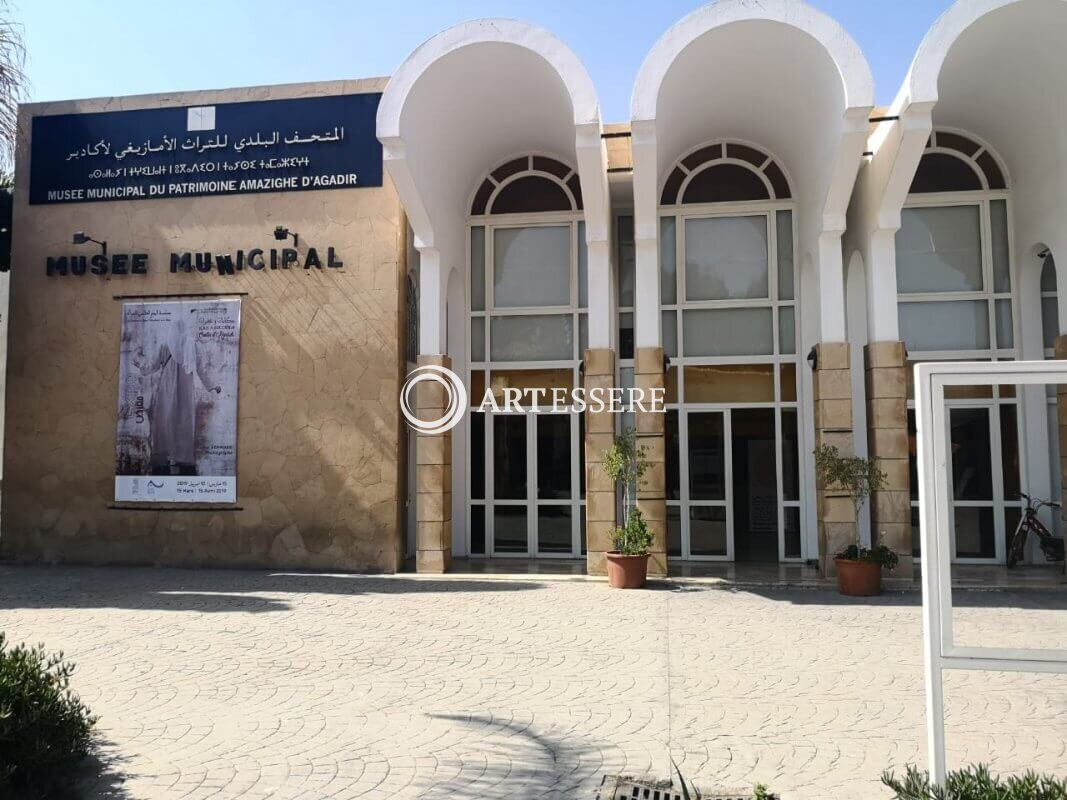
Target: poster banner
{"type": "Point", "coordinates": [177, 415]}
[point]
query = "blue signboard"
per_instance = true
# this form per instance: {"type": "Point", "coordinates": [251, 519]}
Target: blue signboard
{"type": "Point", "coordinates": [301, 144]}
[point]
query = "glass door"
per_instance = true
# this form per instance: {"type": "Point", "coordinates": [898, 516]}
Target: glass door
{"type": "Point", "coordinates": [706, 519]}
{"type": "Point", "coordinates": [976, 512]}
{"type": "Point", "coordinates": [532, 504]}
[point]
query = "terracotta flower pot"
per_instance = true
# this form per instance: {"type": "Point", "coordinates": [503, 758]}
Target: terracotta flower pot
{"type": "Point", "coordinates": [858, 578]}
{"type": "Point", "coordinates": [626, 572]}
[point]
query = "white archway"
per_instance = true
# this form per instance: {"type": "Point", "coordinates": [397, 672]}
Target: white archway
{"type": "Point", "coordinates": [780, 74]}
{"type": "Point", "coordinates": [464, 101]}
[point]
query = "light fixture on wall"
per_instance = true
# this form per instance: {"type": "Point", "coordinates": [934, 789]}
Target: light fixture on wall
{"type": "Point", "coordinates": [813, 358]}
{"type": "Point", "coordinates": [80, 238]}
{"type": "Point", "coordinates": [281, 234]}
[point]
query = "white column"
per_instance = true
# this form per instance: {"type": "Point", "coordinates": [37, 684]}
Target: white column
{"type": "Point", "coordinates": [831, 274]}
{"type": "Point", "coordinates": [593, 173]}
{"type": "Point", "coordinates": [432, 288]}
{"type": "Point", "coordinates": [882, 321]}
{"type": "Point", "coordinates": [646, 235]}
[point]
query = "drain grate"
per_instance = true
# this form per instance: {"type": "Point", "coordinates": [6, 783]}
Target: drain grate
{"type": "Point", "coordinates": [616, 787]}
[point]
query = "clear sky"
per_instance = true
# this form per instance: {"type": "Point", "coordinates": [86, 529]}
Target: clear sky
{"type": "Point", "coordinates": [92, 48]}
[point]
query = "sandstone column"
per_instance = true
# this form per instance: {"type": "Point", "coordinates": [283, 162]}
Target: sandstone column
{"type": "Point", "coordinates": [887, 439]}
{"type": "Point", "coordinates": [433, 499]}
{"type": "Point", "coordinates": [599, 489]}
{"type": "Point", "coordinates": [651, 493]}
{"type": "Point", "coordinates": [833, 426]}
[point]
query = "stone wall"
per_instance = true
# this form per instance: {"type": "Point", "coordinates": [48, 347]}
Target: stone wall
{"type": "Point", "coordinates": [318, 425]}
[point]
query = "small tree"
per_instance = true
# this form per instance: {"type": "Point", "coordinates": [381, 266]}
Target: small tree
{"type": "Point", "coordinates": [859, 478]}
{"type": "Point", "coordinates": [625, 463]}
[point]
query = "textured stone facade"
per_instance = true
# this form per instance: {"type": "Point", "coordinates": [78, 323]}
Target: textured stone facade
{"type": "Point", "coordinates": [833, 426]}
{"type": "Point", "coordinates": [887, 442]}
{"type": "Point", "coordinates": [318, 423]}
{"type": "Point", "coordinates": [600, 502]}
{"type": "Point", "coordinates": [433, 498]}
{"type": "Point", "coordinates": [652, 491]}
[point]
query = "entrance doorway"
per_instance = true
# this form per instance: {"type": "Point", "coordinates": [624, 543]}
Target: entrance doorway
{"type": "Point", "coordinates": [755, 489]}
{"type": "Point", "coordinates": [528, 502]}
{"type": "Point", "coordinates": [725, 491]}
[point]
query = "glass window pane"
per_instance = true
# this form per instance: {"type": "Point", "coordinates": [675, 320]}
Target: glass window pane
{"type": "Point", "coordinates": [728, 332]}
{"type": "Point", "coordinates": [477, 456]}
{"type": "Point", "coordinates": [790, 456]}
{"type": "Point", "coordinates": [975, 533]}
{"type": "Point", "coordinates": [668, 261]}
{"type": "Point", "coordinates": [478, 269]}
{"type": "Point", "coordinates": [626, 335]}
{"type": "Point", "coordinates": [730, 383]}
{"type": "Point", "coordinates": [509, 457]}
{"type": "Point", "coordinates": [554, 457]}
{"type": "Point", "coordinates": [1009, 451]}
{"type": "Point", "coordinates": [531, 267]}
{"type": "Point", "coordinates": [674, 531]}
{"type": "Point", "coordinates": [787, 331]}
{"type": "Point", "coordinates": [1054, 466]}
{"type": "Point", "coordinates": [785, 255]}
{"type": "Point", "coordinates": [945, 325]}
{"type": "Point", "coordinates": [670, 333]}
{"type": "Point", "coordinates": [939, 250]}
{"type": "Point", "coordinates": [581, 527]}
{"type": "Point", "coordinates": [583, 268]}
{"type": "Point", "coordinates": [792, 531]}
{"type": "Point", "coordinates": [581, 463]}
{"type": "Point", "coordinates": [583, 334]}
{"type": "Point", "coordinates": [627, 269]}
{"type": "Point", "coordinates": [998, 217]}
{"type": "Point", "coordinates": [972, 475]}
{"type": "Point", "coordinates": [1048, 274]}
{"type": "Point", "coordinates": [672, 444]}
{"type": "Point", "coordinates": [726, 258]}
{"type": "Point", "coordinates": [538, 385]}
{"type": "Point", "coordinates": [554, 529]}
{"type": "Point", "coordinates": [789, 383]}
{"type": "Point", "coordinates": [477, 339]}
{"type": "Point", "coordinates": [707, 470]}
{"type": "Point", "coordinates": [1005, 337]}
{"type": "Point", "coordinates": [707, 531]}
{"type": "Point", "coordinates": [477, 530]}
{"type": "Point", "coordinates": [536, 337]}
{"type": "Point", "coordinates": [509, 529]}
{"type": "Point", "coordinates": [1050, 321]}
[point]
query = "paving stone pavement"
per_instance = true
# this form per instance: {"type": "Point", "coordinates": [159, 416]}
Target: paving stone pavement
{"type": "Point", "coordinates": [233, 684]}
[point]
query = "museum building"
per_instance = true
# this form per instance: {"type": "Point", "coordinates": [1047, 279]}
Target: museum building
{"type": "Point", "coordinates": [216, 298]}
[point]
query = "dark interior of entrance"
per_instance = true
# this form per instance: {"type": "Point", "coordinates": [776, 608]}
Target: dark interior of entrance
{"type": "Point", "coordinates": [755, 485]}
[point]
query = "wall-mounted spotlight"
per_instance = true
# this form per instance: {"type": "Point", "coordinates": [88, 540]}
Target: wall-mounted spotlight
{"type": "Point", "coordinates": [281, 234]}
{"type": "Point", "coordinates": [80, 238]}
{"type": "Point", "coordinates": [813, 358]}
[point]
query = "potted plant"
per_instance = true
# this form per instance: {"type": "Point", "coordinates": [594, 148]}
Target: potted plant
{"type": "Point", "coordinates": [627, 564]}
{"type": "Point", "coordinates": [859, 569]}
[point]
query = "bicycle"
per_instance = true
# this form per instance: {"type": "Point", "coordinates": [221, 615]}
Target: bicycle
{"type": "Point", "coordinates": [1051, 546]}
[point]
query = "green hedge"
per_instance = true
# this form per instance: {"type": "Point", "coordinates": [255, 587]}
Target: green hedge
{"type": "Point", "coordinates": [975, 783]}
{"type": "Point", "coordinates": [45, 730]}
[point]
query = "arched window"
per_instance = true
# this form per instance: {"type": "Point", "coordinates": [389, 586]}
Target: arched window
{"type": "Point", "coordinates": [528, 185]}
{"type": "Point", "coordinates": [411, 302]}
{"type": "Point", "coordinates": [527, 311]}
{"type": "Point", "coordinates": [725, 172]}
{"type": "Point", "coordinates": [729, 317]}
{"type": "Point", "coordinates": [955, 276]}
{"type": "Point", "coordinates": [953, 162]}
{"type": "Point", "coordinates": [1050, 310]}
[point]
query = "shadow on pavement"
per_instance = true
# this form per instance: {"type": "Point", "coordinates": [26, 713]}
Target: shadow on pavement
{"type": "Point", "coordinates": [209, 590]}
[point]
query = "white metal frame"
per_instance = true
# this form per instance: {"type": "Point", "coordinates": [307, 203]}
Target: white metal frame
{"type": "Point", "coordinates": [939, 648]}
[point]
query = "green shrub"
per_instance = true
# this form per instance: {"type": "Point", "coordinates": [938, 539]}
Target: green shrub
{"type": "Point", "coordinates": [880, 555]}
{"type": "Point", "coordinates": [44, 728]}
{"type": "Point", "coordinates": [975, 783]}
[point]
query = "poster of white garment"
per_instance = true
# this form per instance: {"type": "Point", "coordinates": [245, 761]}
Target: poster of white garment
{"type": "Point", "coordinates": [177, 415]}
